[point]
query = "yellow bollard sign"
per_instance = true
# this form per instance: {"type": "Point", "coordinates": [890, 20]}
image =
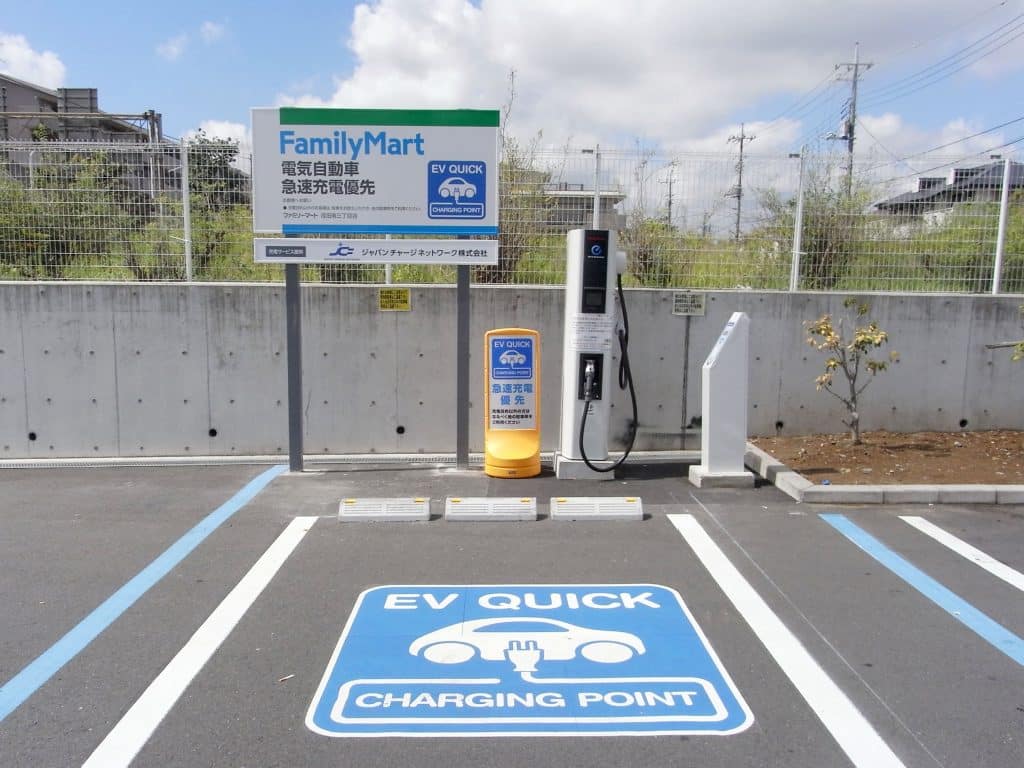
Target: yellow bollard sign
{"type": "Point", "coordinates": [512, 403]}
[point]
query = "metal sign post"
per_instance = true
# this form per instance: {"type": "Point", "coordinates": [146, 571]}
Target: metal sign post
{"type": "Point", "coordinates": [293, 323]}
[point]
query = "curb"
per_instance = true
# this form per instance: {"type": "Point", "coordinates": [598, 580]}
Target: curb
{"type": "Point", "coordinates": [797, 487]}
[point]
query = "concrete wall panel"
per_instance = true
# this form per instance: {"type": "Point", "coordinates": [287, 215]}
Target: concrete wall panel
{"type": "Point", "coordinates": [69, 354]}
{"type": "Point", "coordinates": [13, 416]}
{"type": "Point", "coordinates": [209, 365]}
{"type": "Point", "coordinates": [351, 363]}
{"type": "Point", "coordinates": [245, 369]}
{"type": "Point", "coordinates": [162, 394]}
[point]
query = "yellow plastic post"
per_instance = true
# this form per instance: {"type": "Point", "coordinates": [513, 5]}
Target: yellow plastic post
{"type": "Point", "coordinates": [512, 402]}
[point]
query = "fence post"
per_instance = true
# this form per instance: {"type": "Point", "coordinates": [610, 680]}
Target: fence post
{"type": "Point", "coordinates": [186, 211]}
{"type": "Point", "coordinates": [798, 227]}
{"type": "Point", "coordinates": [1004, 212]}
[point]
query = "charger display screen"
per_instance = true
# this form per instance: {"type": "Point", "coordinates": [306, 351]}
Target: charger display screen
{"type": "Point", "coordinates": [593, 300]}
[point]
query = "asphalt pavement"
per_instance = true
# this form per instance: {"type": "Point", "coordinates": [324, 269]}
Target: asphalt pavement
{"type": "Point", "coordinates": [223, 616]}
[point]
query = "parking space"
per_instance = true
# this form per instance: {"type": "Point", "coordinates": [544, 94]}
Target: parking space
{"type": "Point", "coordinates": [742, 627]}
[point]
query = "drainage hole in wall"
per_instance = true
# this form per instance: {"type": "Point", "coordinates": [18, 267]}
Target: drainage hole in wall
{"type": "Point", "coordinates": [400, 430]}
{"type": "Point", "coordinates": [963, 423]}
{"type": "Point", "coordinates": [779, 425]}
{"type": "Point", "coordinates": [31, 435]}
{"type": "Point", "coordinates": [213, 433]}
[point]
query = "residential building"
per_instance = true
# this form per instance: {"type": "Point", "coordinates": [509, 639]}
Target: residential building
{"type": "Point", "coordinates": [67, 114]}
{"type": "Point", "coordinates": [983, 183]}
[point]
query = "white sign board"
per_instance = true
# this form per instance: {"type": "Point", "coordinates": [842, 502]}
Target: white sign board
{"type": "Point", "coordinates": [396, 171]}
{"type": "Point", "coordinates": [512, 399]}
{"type": "Point", "coordinates": [306, 250]}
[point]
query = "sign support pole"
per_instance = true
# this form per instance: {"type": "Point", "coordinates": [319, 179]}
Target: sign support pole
{"type": "Point", "coordinates": [462, 369]}
{"type": "Point", "coordinates": [293, 321]}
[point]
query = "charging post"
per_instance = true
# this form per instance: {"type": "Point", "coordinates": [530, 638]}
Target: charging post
{"type": "Point", "coordinates": [593, 264]}
{"type": "Point", "coordinates": [723, 436]}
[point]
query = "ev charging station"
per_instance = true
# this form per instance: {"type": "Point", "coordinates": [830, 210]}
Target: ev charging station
{"type": "Point", "coordinates": [594, 266]}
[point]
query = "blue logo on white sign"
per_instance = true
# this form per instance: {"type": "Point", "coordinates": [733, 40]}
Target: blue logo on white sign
{"type": "Point", "coordinates": [456, 189]}
{"type": "Point", "coordinates": [511, 357]}
{"type": "Point", "coordinates": [524, 660]}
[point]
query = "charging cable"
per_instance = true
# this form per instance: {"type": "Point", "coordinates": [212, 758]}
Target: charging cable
{"type": "Point", "coordinates": [625, 380]}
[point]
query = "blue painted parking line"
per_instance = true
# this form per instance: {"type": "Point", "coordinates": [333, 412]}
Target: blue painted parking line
{"type": "Point", "coordinates": [32, 677]}
{"type": "Point", "coordinates": [993, 632]}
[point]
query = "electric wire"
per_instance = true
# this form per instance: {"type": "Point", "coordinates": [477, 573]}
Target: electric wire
{"type": "Point", "coordinates": [952, 162]}
{"type": "Point", "coordinates": [799, 108]}
{"type": "Point", "coordinates": [959, 26]}
{"type": "Point", "coordinates": [948, 144]}
{"type": "Point", "coordinates": [939, 72]}
{"type": "Point", "coordinates": [951, 59]}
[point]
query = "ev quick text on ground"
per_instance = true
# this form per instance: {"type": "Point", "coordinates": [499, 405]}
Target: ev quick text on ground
{"type": "Point", "coordinates": [320, 170]}
{"type": "Point", "coordinates": [455, 660]}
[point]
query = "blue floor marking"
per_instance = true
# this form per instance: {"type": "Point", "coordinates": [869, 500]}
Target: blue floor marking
{"type": "Point", "coordinates": [32, 677]}
{"type": "Point", "coordinates": [996, 634]}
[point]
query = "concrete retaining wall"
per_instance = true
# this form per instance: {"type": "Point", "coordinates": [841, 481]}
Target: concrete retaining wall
{"type": "Point", "coordinates": [91, 369]}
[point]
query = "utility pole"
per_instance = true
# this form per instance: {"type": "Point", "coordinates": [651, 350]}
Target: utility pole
{"type": "Point", "coordinates": [853, 69]}
{"type": "Point", "coordinates": [671, 180]}
{"type": "Point", "coordinates": [738, 191]}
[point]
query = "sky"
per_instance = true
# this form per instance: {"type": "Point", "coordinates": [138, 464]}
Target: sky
{"type": "Point", "coordinates": [667, 75]}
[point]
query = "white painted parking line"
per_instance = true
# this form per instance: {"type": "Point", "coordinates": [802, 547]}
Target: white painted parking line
{"type": "Point", "coordinates": [962, 548]}
{"type": "Point", "coordinates": [134, 729]}
{"type": "Point", "coordinates": [856, 737]}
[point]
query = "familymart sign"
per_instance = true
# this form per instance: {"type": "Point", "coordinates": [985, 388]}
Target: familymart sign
{"type": "Point", "coordinates": [391, 171]}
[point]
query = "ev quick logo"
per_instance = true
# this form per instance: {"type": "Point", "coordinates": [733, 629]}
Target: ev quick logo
{"type": "Point", "coordinates": [500, 660]}
{"type": "Point", "coordinates": [511, 357]}
{"type": "Point", "coordinates": [456, 189]}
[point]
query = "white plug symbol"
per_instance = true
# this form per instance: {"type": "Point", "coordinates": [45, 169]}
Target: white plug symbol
{"type": "Point", "coordinates": [524, 655]}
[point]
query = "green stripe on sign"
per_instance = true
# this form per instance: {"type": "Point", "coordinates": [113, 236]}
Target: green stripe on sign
{"type": "Point", "coordinates": [466, 118]}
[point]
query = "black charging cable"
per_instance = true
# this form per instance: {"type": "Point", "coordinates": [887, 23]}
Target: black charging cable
{"type": "Point", "coordinates": [625, 380]}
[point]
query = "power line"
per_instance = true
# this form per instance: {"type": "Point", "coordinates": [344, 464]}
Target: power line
{"type": "Point", "coordinates": [833, 115]}
{"type": "Point", "coordinates": [798, 107]}
{"type": "Point", "coordinates": [941, 146]}
{"type": "Point", "coordinates": [950, 65]}
{"type": "Point", "coordinates": [954, 57]}
{"type": "Point", "coordinates": [959, 26]}
{"type": "Point", "coordinates": [879, 142]}
{"type": "Point", "coordinates": [947, 164]}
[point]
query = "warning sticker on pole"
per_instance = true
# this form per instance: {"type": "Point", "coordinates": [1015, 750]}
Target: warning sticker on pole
{"type": "Point", "coordinates": [590, 333]}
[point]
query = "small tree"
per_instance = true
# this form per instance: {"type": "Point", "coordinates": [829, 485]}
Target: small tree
{"type": "Point", "coordinates": [850, 357]}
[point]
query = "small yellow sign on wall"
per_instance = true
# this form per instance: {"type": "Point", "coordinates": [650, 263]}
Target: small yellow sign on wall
{"type": "Point", "coordinates": [394, 300]}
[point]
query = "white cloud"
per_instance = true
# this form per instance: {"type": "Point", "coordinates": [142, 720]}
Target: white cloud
{"type": "Point", "coordinates": [211, 31]}
{"type": "Point", "coordinates": [659, 69]}
{"type": "Point", "coordinates": [172, 48]}
{"type": "Point", "coordinates": [18, 59]}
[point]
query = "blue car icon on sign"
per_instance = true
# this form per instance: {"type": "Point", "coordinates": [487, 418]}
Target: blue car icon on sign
{"type": "Point", "coordinates": [511, 358]}
{"type": "Point", "coordinates": [556, 641]}
{"type": "Point", "coordinates": [457, 188]}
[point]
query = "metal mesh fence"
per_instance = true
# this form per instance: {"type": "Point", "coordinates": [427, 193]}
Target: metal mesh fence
{"type": "Point", "coordinates": [77, 210]}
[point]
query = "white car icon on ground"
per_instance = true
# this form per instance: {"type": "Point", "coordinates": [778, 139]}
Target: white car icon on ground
{"type": "Point", "coordinates": [556, 640]}
{"type": "Point", "coordinates": [512, 358]}
{"type": "Point", "coordinates": [457, 187]}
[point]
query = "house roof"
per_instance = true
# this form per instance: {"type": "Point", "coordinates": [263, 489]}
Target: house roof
{"type": "Point", "coordinates": [26, 84]}
{"type": "Point", "coordinates": [989, 176]}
